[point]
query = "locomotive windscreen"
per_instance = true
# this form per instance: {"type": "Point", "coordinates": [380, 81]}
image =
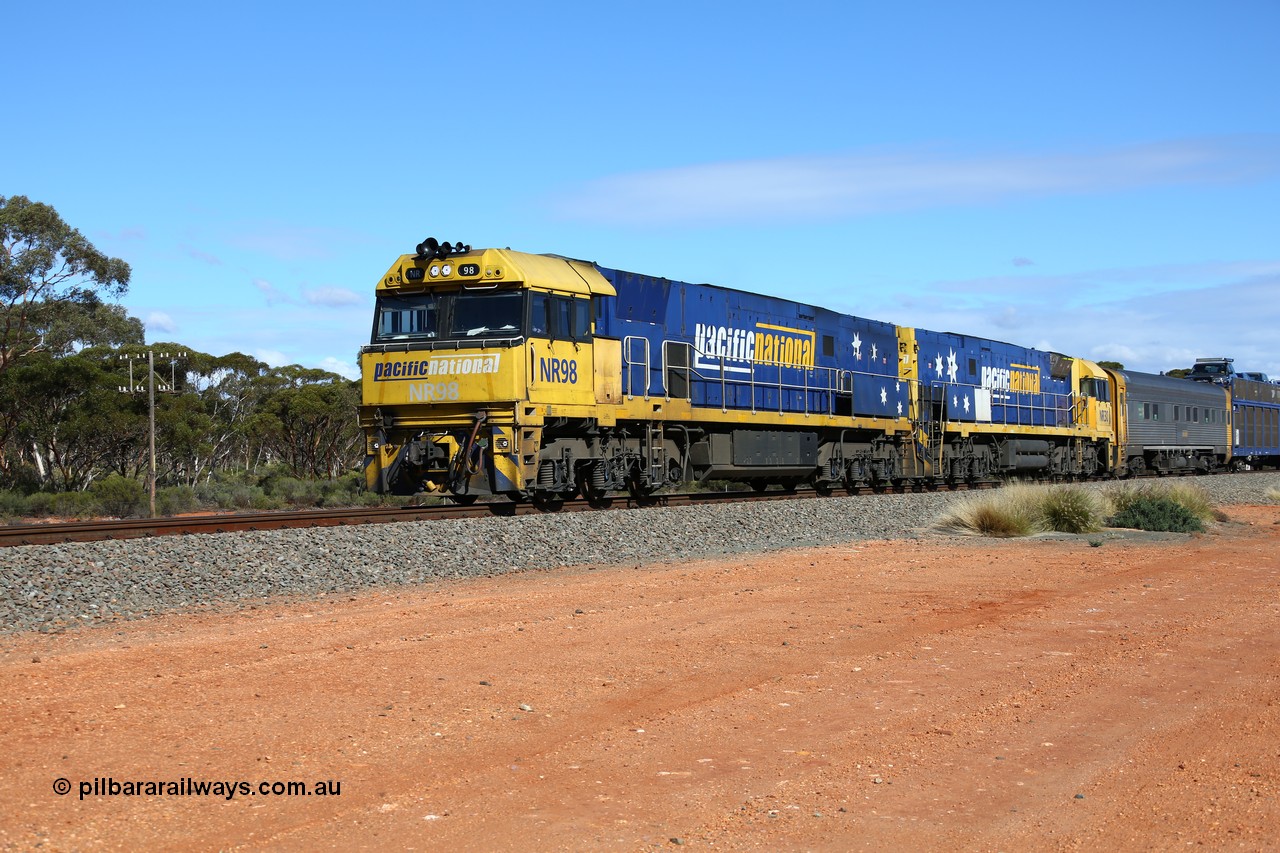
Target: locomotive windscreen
{"type": "Point", "coordinates": [406, 318]}
{"type": "Point", "coordinates": [425, 316]}
{"type": "Point", "coordinates": [487, 313]}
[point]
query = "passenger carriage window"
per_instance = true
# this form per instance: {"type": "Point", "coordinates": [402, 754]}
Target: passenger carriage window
{"type": "Point", "coordinates": [1146, 411]}
{"type": "Point", "coordinates": [1177, 413]}
{"type": "Point", "coordinates": [1155, 411]}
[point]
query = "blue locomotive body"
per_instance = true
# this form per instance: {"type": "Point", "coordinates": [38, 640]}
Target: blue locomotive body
{"type": "Point", "coordinates": [985, 381]}
{"type": "Point", "coordinates": [728, 349]}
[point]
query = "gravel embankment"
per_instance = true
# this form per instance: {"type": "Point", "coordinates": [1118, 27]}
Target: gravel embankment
{"type": "Point", "coordinates": [48, 587]}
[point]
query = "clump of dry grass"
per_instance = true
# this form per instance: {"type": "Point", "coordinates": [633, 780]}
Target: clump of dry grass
{"type": "Point", "coordinates": [1191, 497]}
{"type": "Point", "coordinates": [1022, 509]}
{"type": "Point", "coordinates": [1072, 509]}
{"type": "Point", "coordinates": [1273, 494]}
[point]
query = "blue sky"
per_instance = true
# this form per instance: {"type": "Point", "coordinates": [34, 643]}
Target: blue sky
{"type": "Point", "coordinates": [1102, 179]}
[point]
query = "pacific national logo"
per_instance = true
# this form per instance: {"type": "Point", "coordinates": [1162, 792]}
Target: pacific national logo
{"type": "Point", "coordinates": [1023, 378]}
{"type": "Point", "coordinates": [390, 371]}
{"type": "Point", "coordinates": [765, 344]}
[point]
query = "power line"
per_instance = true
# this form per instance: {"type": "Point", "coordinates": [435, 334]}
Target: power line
{"type": "Point", "coordinates": [134, 388]}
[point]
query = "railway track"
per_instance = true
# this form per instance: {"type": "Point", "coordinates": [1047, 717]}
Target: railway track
{"type": "Point", "coordinates": [97, 530]}
{"type": "Point", "coordinates": [140, 528]}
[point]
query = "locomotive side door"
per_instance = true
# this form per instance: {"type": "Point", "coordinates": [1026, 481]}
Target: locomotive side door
{"type": "Point", "coordinates": [561, 367]}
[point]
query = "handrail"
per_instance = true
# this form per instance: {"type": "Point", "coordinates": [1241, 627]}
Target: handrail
{"type": "Point", "coordinates": [1023, 408]}
{"type": "Point", "coordinates": [687, 367]}
{"type": "Point", "coordinates": [628, 362]}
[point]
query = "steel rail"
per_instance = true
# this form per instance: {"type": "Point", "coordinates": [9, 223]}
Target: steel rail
{"type": "Point", "coordinates": [137, 528]}
{"type": "Point", "coordinates": [97, 530]}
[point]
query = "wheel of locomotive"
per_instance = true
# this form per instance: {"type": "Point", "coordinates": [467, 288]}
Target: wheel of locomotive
{"type": "Point", "coordinates": [463, 500]}
{"type": "Point", "coordinates": [638, 485]}
{"type": "Point", "coordinates": [548, 501]}
{"type": "Point", "coordinates": [675, 473]}
{"type": "Point", "coordinates": [587, 488]}
{"type": "Point", "coordinates": [825, 488]}
{"type": "Point", "coordinates": [758, 485]}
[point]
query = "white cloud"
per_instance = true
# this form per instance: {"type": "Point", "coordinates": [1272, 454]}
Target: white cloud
{"type": "Point", "coordinates": [342, 368]}
{"type": "Point", "coordinates": [159, 321]}
{"type": "Point", "coordinates": [331, 297]}
{"type": "Point", "coordinates": [273, 358]}
{"type": "Point", "coordinates": [1151, 321]}
{"type": "Point", "coordinates": [202, 256]}
{"type": "Point", "coordinates": [274, 295]}
{"type": "Point", "coordinates": [864, 183]}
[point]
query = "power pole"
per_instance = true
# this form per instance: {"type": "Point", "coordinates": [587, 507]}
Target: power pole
{"type": "Point", "coordinates": [132, 388]}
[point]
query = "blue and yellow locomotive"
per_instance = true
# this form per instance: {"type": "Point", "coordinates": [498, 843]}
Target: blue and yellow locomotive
{"type": "Point", "coordinates": [495, 372]}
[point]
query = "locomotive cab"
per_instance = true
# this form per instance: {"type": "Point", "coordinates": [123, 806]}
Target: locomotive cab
{"type": "Point", "coordinates": [461, 342]}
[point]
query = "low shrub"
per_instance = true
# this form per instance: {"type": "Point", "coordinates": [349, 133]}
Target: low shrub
{"type": "Point", "coordinates": [39, 504]}
{"type": "Point", "coordinates": [175, 500]}
{"type": "Point", "coordinates": [13, 506]}
{"type": "Point", "coordinates": [293, 492]}
{"type": "Point", "coordinates": [344, 491]}
{"type": "Point", "coordinates": [237, 490]}
{"type": "Point", "coordinates": [1273, 494]}
{"type": "Point", "coordinates": [225, 490]}
{"type": "Point", "coordinates": [74, 505]}
{"type": "Point", "coordinates": [1192, 497]}
{"type": "Point", "coordinates": [1171, 507]}
{"type": "Point", "coordinates": [1023, 509]}
{"type": "Point", "coordinates": [121, 497]}
{"type": "Point", "coordinates": [1158, 513]}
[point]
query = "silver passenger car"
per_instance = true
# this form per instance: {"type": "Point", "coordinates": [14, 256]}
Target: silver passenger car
{"type": "Point", "coordinates": [1173, 423]}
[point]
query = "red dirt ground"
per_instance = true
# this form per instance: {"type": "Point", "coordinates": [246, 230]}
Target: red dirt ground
{"type": "Point", "coordinates": [936, 694]}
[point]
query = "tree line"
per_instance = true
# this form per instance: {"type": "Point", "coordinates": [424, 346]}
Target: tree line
{"type": "Point", "coordinates": [65, 423]}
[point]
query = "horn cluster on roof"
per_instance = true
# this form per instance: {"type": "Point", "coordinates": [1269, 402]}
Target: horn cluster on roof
{"type": "Point", "coordinates": [432, 248]}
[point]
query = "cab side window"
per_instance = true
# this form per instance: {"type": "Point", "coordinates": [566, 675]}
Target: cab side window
{"type": "Point", "coordinates": [560, 318]}
{"type": "Point", "coordinates": [563, 309]}
{"type": "Point", "coordinates": [540, 315]}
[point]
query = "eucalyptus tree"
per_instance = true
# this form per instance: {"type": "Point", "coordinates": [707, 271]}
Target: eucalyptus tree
{"type": "Point", "coordinates": [69, 423]}
{"type": "Point", "coordinates": [307, 421]}
{"type": "Point", "coordinates": [47, 268]}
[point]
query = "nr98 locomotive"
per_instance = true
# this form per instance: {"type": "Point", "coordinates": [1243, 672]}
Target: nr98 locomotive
{"type": "Point", "coordinates": [495, 372]}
